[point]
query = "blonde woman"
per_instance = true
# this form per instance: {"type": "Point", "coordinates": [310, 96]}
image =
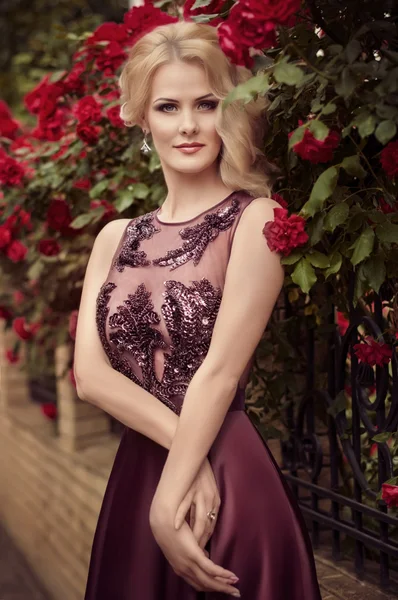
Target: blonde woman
{"type": "Point", "coordinates": [174, 304]}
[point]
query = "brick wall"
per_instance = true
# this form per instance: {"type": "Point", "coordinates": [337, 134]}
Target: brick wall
{"type": "Point", "coordinates": [51, 483]}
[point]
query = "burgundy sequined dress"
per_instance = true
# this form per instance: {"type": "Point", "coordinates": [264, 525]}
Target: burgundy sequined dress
{"type": "Point", "coordinates": [155, 315]}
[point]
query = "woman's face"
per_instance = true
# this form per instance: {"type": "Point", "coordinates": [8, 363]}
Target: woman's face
{"type": "Point", "coordinates": [182, 110]}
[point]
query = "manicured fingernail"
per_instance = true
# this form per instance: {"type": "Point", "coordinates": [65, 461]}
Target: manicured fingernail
{"type": "Point", "coordinates": [236, 594]}
{"type": "Point", "coordinates": [234, 579]}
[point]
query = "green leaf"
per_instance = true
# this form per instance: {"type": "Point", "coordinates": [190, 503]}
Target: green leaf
{"type": "Point", "coordinates": [81, 221]}
{"type": "Point", "coordinates": [346, 83]}
{"type": "Point", "coordinates": [352, 50]}
{"type": "Point", "coordinates": [297, 136]}
{"type": "Point", "coordinates": [385, 131]}
{"type": "Point", "coordinates": [201, 4]}
{"type": "Point", "coordinates": [318, 129]}
{"type": "Point", "coordinates": [338, 405]}
{"type": "Point", "coordinates": [363, 246]}
{"type": "Point", "coordinates": [291, 259]}
{"type": "Point", "coordinates": [317, 259]}
{"type": "Point", "coordinates": [366, 124]}
{"type": "Point", "coordinates": [304, 275]}
{"type": "Point", "coordinates": [35, 270]}
{"type": "Point", "coordinates": [315, 229]}
{"type": "Point", "coordinates": [382, 438]}
{"type": "Point", "coordinates": [140, 191]}
{"type": "Point", "coordinates": [388, 232]}
{"type": "Point", "coordinates": [323, 189]}
{"type": "Point", "coordinates": [335, 264]}
{"type": "Point", "coordinates": [337, 215]}
{"type": "Point", "coordinates": [329, 108]}
{"type": "Point", "coordinates": [124, 201]}
{"type": "Point", "coordinates": [247, 90]}
{"type": "Point", "coordinates": [288, 73]}
{"type": "Point", "coordinates": [56, 76]}
{"type": "Point", "coordinates": [352, 166]}
{"type": "Point", "coordinates": [360, 285]}
{"type": "Point", "coordinates": [375, 272]}
{"type": "Point", "coordinates": [99, 188]}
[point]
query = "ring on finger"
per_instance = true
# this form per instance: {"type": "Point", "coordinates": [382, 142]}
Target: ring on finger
{"type": "Point", "coordinates": [211, 515]}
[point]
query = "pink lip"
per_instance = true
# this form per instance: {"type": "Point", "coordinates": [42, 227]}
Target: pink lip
{"type": "Point", "coordinates": [189, 149]}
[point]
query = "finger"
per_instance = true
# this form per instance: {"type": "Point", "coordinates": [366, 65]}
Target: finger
{"type": "Point", "coordinates": [210, 568]}
{"type": "Point", "coordinates": [201, 521]}
{"type": "Point", "coordinates": [181, 513]}
{"type": "Point", "coordinates": [212, 583]}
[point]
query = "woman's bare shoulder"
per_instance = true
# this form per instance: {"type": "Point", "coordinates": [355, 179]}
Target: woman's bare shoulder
{"type": "Point", "coordinates": [110, 235]}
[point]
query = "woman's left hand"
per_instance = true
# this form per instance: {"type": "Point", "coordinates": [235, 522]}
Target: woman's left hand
{"type": "Point", "coordinates": [185, 556]}
{"type": "Point", "coordinates": [202, 498]}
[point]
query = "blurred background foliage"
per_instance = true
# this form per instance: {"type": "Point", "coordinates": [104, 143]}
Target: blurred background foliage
{"type": "Point", "coordinates": [32, 40]}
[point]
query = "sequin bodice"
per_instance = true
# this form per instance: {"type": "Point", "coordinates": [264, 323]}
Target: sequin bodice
{"type": "Point", "coordinates": [157, 308]}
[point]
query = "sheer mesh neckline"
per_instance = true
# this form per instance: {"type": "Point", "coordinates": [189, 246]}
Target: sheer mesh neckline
{"type": "Point", "coordinates": [193, 218]}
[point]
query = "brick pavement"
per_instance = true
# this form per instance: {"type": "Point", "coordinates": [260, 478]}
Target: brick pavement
{"type": "Point", "coordinates": [17, 582]}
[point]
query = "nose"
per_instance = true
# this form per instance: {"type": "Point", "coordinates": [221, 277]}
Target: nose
{"type": "Point", "coordinates": [188, 122]}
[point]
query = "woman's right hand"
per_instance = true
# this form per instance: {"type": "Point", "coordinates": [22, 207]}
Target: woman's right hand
{"type": "Point", "coordinates": [202, 497]}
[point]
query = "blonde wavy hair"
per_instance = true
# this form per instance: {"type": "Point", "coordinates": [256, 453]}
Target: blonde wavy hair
{"type": "Point", "coordinates": [240, 126]}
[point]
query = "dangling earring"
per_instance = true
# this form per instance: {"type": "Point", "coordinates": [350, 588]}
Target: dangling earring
{"type": "Point", "coordinates": [145, 148]}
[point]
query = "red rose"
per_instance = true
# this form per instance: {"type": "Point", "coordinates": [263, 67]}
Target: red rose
{"type": "Point", "coordinates": [49, 410]}
{"type": "Point", "coordinates": [87, 109]}
{"type": "Point", "coordinates": [273, 10]}
{"type": "Point", "coordinates": [82, 184]}
{"type": "Point", "coordinates": [142, 19]}
{"type": "Point", "coordinates": [58, 215]}
{"type": "Point", "coordinates": [285, 233]}
{"type": "Point", "coordinates": [52, 128]}
{"type": "Point", "coordinates": [238, 54]}
{"type": "Point", "coordinates": [22, 329]}
{"type": "Point", "coordinates": [8, 126]}
{"type": "Point", "coordinates": [49, 247]}
{"type": "Point", "coordinates": [373, 353]}
{"type": "Point", "coordinates": [317, 151]}
{"type": "Point", "coordinates": [16, 251]}
{"type": "Point", "coordinates": [73, 83]}
{"type": "Point", "coordinates": [110, 59]}
{"type": "Point", "coordinates": [390, 494]}
{"type": "Point", "coordinates": [342, 323]}
{"type": "Point", "coordinates": [87, 133]}
{"type": "Point", "coordinates": [5, 313]}
{"type": "Point", "coordinates": [252, 31]}
{"type": "Point", "coordinates": [73, 323]}
{"type": "Point", "coordinates": [11, 171]}
{"type": "Point", "coordinates": [278, 198]}
{"type": "Point", "coordinates": [113, 115]}
{"type": "Point", "coordinates": [109, 32]}
{"type": "Point", "coordinates": [49, 99]}
{"type": "Point", "coordinates": [389, 159]}
{"type": "Point", "coordinates": [11, 356]}
{"type": "Point", "coordinates": [387, 208]}
{"type": "Point", "coordinates": [5, 236]}
{"type": "Point", "coordinates": [33, 99]}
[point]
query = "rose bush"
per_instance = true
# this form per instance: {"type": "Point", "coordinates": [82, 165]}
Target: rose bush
{"type": "Point", "coordinates": [332, 132]}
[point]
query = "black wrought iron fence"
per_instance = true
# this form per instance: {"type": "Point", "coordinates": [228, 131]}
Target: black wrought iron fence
{"type": "Point", "coordinates": [332, 462]}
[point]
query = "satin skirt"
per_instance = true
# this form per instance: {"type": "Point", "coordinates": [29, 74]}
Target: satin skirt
{"type": "Point", "coordinates": [260, 532]}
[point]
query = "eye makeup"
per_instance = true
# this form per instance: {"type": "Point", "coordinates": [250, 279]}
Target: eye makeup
{"type": "Point", "coordinates": [161, 107]}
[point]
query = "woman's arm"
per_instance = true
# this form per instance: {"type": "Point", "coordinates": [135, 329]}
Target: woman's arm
{"type": "Point", "coordinates": [96, 380]}
{"type": "Point", "coordinates": [253, 282]}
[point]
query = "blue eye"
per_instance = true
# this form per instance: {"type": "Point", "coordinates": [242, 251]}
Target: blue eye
{"type": "Point", "coordinates": [162, 107]}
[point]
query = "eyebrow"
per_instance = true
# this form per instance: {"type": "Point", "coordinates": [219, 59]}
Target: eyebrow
{"type": "Point", "coordinates": [172, 100]}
